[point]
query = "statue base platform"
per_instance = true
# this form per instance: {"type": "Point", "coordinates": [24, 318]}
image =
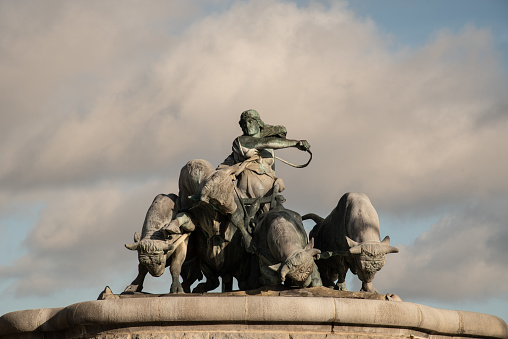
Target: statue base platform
{"type": "Point", "coordinates": [313, 313]}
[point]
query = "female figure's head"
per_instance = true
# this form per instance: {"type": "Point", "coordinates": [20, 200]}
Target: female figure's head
{"type": "Point", "coordinates": [251, 123]}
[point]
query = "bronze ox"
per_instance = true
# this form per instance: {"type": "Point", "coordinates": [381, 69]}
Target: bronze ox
{"type": "Point", "coordinates": [285, 255]}
{"type": "Point", "coordinates": [209, 207]}
{"type": "Point", "coordinates": [349, 239]}
{"type": "Point", "coordinates": [155, 251]}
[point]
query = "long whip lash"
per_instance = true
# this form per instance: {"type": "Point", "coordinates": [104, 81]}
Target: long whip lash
{"type": "Point", "coordinates": [296, 166]}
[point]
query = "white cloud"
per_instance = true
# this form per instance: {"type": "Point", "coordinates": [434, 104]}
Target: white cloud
{"type": "Point", "coordinates": [79, 237]}
{"type": "Point", "coordinates": [461, 256]}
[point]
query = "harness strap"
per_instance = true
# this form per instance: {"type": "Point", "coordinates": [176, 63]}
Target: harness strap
{"type": "Point", "coordinates": [177, 243]}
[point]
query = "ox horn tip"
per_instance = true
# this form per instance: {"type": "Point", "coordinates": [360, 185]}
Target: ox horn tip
{"type": "Point", "coordinates": [386, 240]}
{"type": "Point", "coordinates": [351, 242]}
{"type": "Point", "coordinates": [393, 249]}
{"type": "Point", "coordinates": [310, 244]}
{"type": "Point", "coordinates": [132, 247]}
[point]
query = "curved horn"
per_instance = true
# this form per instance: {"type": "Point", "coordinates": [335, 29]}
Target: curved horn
{"type": "Point", "coordinates": [310, 245]}
{"type": "Point", "coordinates": [313, 251]}
{"type": "Point", "coordinates": [132, 247]}
{"type": "Point", "coordinates": [283, 272]}
{"type": "Point", "coordinates": [351, 242]}
{"type": "Point", "coordinates": [354, 247]}
{"type": "Point", "coordinates": [390, 249]}
{"type": "Point", "coordinates": [386, 241]}
{"type": "Point", "coordinates": [275, 267]}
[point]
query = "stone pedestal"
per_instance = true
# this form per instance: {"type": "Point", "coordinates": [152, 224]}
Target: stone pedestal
{"type": "Point", "coordinates": [243, 315]}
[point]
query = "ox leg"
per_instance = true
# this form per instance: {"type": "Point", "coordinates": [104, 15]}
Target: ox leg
{"type": "Point", "coordinates": [191, 268]}
{"type": "Point", "coordinates": [249, 276]}
{"type": "Point", "coordinates": [368, 287]}
{"type": "Point", "coordinates": [175, 268]}
{"type": "Point", "coordinates": [341, 275]}
{"type": "Point", "coordinates": [137, 284]}
{"type": "Point", "coordinates": [324, 270]}
{"type": "Point", "coordinates": [227, 283]}
{"type": "Point", "coordinates": [191, 272]}
{"type": "Point", "coordinates": [268, 276]}
{"type": "Point", "coordinates": [315, 277]}
{"type": "Point", "coordinates": [212, 280]}
{"type": "Point", "coordinates": [366, 280]}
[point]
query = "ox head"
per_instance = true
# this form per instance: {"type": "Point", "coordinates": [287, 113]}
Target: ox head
{"type": "Point", "coordinates": [151, 253]}
{"type": "Point", "coordinates": [298, 266]}
{"type": "Point", "coordinates": [369, 257]}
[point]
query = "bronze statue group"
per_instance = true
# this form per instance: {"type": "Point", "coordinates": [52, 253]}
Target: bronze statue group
{"type": "Point", "coordinates": [229, 222]}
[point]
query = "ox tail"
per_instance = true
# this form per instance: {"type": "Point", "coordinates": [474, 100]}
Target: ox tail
{"type": "Point", "coordinates": [317, 219]}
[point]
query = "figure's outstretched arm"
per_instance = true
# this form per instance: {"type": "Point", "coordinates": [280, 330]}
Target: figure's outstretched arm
{"type": "Point", "coordinates": [273, 143]}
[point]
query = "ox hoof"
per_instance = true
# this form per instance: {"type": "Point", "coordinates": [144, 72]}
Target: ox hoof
{"type": "Point", "coordinates": [177, 288]}
{"type": "Point", "coordinates": [341, 286]}
{"type": "Point", "coordinates": [204, 287]}
{"type": "Point", "coordinates": [368, 287]}
{"type": "Point", "coordinates": [200, 289]}
{"type": "Point", "coordinates": [373, 290]}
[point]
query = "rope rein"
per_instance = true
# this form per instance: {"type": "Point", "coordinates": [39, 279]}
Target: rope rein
{"type": "Point", "coordinates": [293, 165]}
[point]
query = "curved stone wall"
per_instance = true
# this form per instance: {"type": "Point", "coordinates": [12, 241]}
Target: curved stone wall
{"type": "Point", "coordinates": [248, 316]}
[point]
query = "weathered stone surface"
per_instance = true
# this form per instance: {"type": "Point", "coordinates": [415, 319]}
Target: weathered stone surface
{"type": "Point", "coordinates": [176, 335]}
{"type": "Point", "coordinates": [275, 290]}
{"type": "Point", "coordinates": [248, 335]}
{"type": "Point", "coordinates": [248, 316]}
{"type": "Point", "coordinates": [290, 309]}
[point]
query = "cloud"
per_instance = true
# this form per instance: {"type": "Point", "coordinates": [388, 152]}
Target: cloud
{"type": "Point", "coordinates": [66, 69]}
{"type": "Point", "coordinates": [461, 256]}
{"type": "Point", "coordinates": [105, 105]}
{"type": "Point", "coordinates": [410, 118]}
{"type": "Point", "coordinates": [79, 238]}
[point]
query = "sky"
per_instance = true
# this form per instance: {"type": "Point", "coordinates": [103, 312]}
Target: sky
{"type": "Point", "coordinates": [102, 103]}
